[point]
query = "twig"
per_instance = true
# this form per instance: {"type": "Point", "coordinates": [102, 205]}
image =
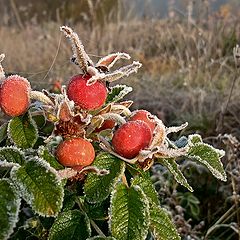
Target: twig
{"type": "Point", "coordinates": [16, 13]}
{"type": "Point", "coordinates": [54, 59]}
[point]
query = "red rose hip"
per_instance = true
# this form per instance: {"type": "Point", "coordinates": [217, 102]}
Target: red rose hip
{"type": "Point", "coordinates": [15, 95]}
{"type": "Point", "coordinates": [87, 97]}
{"type": "Point", "coordinates": [75, 153]}
{"type": "Point", "coordinates": [130, 138]}
{"type": "Point", "coordinates": [144, 116]}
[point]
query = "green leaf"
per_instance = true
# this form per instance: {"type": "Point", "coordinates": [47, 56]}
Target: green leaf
{"type": "Point", "coordinates": [70, 225]}
{"type": "Point", "coordinates": [12, 155]}
{"type": "Point", "coordinates": [97, 211]}
{"type": "Point", "coordinates": [40, 120]}
{"type": "Point", "coordinates": [210, 157]}
{"type": "Point", "coordinates": [9, 208]}
{"type": "Point", "coordinates": [46, 155]}
{"type": "Point", "coordinates": [173, 168]}
{"type": "Point", "coordinates": [194, 138]}
{"type": "Point", "coordinates": [101, 238]}
{"type": "Point", "coordinates": [161, 225]}
{"type": "Point", "coordinates": [129, 213]}
{"type": "Point", "coordinates": [98, 188]}
{"type": "Point", "coordinates": [145, 183]}
{"type": "Point", "coordinates": [3, 132]}
{"type": "Point", "coordinates": [23, 131]}
{"type": "Point", "coordinates": [118, 92]}
{"type": "Point", "coordinates": [69, 200]}
{"type": "Point", "coordinates": [40, 186]}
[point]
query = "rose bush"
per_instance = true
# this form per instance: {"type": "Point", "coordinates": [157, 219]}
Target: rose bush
{"type": "Point", "coordinates": [66, 176]}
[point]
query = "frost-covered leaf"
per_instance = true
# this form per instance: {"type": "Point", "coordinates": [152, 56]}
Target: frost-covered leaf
{"type": "Point", "coordinates": [101, 238]}
{"type": "Point", "coordinates": [40, 186]}
{"type": "Point", "coordinates": [12, 155]}
{"type": "Point", "coordinates": [23, 131]}
{"type": "Point", "coordinates": [3, 132]}
{"type": "Point", "coordinates": [46, 155]}
{"type": "Point", "coordinates": [97, 188]}
{"type": "Point", "coordinates": [145, 183]}
{"type": "Point", "coordinates": [129, 213]}
{"type": "Point", "coordinates": [70, 225]}
{"type": "Point", "coordinates": [118, 92]}
{"type": "Point", "coordinates": [97, 211]}
{"type": "Point", "coordinates": [173, 168]}
{"type": "Point", "coordinates": [9, 208]}
{"type": "Point", "coordinates": [210, 157]}
{"type": "Point", "coordinates": [69, 200]}
{"type": "Point", "coordinates": [40, 120]}
{"type": "Point", "coordinates": [161, 225]}
{"type": "Point", "coordinates": [194, 138]}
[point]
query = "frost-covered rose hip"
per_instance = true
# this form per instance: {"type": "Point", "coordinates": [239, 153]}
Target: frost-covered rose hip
{"type": "Point", "coordinates": [75, 152]}
{"type": "Point", "coordinates": [15, 95]}
{"type": "Point", "coordinates": [130, 138]}
{"type": "Point", "coordinates": [87, 97]}
{"type": "Point", "coordinates": [144, 116]}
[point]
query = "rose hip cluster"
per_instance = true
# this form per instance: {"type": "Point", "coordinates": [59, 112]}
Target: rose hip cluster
{"type": "Point", "coordinates": [82, 114]}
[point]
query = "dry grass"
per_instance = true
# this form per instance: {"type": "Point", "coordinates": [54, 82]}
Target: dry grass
{"type": "Point", "coordinates": [187, 69]}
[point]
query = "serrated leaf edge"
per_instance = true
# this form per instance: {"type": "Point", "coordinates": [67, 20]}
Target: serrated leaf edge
{"type": "Point", "coordinates": [166, 212]}
{"type": "Point", "coordinates": [14, 148]}
{"type": "Point", "coordinates": [115, 180]}
{"type": "Point", "coordinates": [147, 215]}
{"type": "Point", "coordinates": [18, 203]}
{"type": "Point", "coordinates": [221, 153]}
{"type": "Point", "coordinates": [185, 182]}
{"type": "Point", "coordinates": [125, 90]}
{"type": "Point", "coordinates": [50, 169]}
{"type": "Point", "coordinates": [190, 137]}
{"type": "Point", "coordinates": [132, 184]}
{"type": "Point", "coordinates": [32, 122]}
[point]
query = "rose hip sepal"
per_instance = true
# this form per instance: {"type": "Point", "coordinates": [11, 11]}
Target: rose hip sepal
{"type": "Point", "coordinates": [75, 153]}
{"type": "Point", "coordinates": [15, 95]}
{"type": "Point", "coordinates": [131, 138]}
{"type": "Point", "coordinates": [144, 116]}
{"type": "Point", "coordinates": [107, 124]}
{"type": "Point", "coordinates": [88, 97]}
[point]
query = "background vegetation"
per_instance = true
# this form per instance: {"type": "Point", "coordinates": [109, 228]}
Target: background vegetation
{"type": "Point", "coordinates": [188, 74]}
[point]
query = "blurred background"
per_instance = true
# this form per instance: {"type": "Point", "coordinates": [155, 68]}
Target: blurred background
{"type": "Point", "coordinates": [188, 74]}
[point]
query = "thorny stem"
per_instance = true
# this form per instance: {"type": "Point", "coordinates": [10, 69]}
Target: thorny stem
{"type": "Point", "coordinates": [95, 226]}
{"type": "Point", "coordinates": [97, 229]}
